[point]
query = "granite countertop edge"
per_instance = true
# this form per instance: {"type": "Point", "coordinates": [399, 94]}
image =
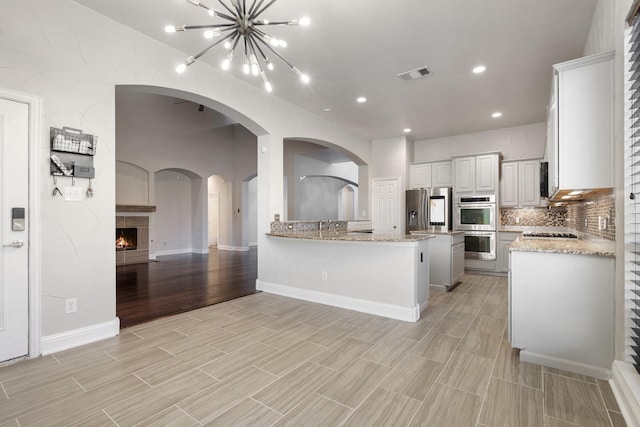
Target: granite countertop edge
{"type": "Point", "coordinates": [352, 236]}
{"type": "Point", "coordinates": [601, 248]}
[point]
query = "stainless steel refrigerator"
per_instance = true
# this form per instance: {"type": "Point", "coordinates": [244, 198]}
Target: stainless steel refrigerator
{"type": "Point", "coordinates": [416, 209]}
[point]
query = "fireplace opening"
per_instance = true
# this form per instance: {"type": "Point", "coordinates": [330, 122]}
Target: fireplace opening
{"type": "Point", "coordinates": [126, 239]}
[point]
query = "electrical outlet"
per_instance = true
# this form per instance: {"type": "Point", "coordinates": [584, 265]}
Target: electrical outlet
{"type": "Point", "coordinates": [324, 276]}
{"type": "Point", "coordinates": [517, 220]}
{"type": "Point", "coordinates": [70, 305]}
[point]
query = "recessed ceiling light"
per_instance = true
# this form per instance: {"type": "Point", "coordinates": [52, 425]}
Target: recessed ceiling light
{"type": "Point", "coordinates": [406, 130]}
{"type": "Point", "coordinates": [496, 114]}
{"type": "Point", "coordinates": [326, 108]}
{"type": "Point", "coordinates": [479, 69]}
{"type": "Point", "coordinates": [361, 99]}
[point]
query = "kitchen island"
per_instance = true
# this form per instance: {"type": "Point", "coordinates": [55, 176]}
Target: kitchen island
{"type": "Point", "coordinates": [381, 274]}
{"type": "Point", "coordinates": [561, 303]}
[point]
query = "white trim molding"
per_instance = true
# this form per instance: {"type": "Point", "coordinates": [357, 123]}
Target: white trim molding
{"type": "Point", "coordinates": [565, 365]}
{"type": "Point", "coordinates": [233, 248]}
{"type": "Point", "coordinates": [364, 306]}
{"type": "Point", "coordinates": [625, 383]}
{"type": "Point", "coordinates": [35, 131]}
{"type": "Point", "coordinates": [77, 337]}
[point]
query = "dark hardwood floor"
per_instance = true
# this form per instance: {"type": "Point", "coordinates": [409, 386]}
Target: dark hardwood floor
{"type": "Point", "coordinates": [179, 283]}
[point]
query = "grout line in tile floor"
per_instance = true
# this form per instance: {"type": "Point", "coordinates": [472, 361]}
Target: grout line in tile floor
{"type": "Point", "coordinates": [485, 289]}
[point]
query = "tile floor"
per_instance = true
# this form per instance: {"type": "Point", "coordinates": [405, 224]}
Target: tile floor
{"type": "Point", "coordinates": [266, 360]}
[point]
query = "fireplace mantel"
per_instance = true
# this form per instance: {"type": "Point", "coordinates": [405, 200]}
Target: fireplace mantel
{"type": "Point", "coordinates": [135, 208]}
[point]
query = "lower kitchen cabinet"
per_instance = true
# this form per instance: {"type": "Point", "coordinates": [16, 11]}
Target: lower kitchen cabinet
{"type": "Point", "coordinates": [561, 311]}
{"type": "Point", "coordinates": [504, 241]}
{"type": "Point", "coordinates": [446, 259]}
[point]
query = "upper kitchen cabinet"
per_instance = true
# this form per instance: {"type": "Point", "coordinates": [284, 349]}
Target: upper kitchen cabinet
{"type": "Point", "coordinates": [430, 175]}
{"type": "Point", "coordinates": [476, 174]}
{"type": "Point", "coordinates": [420, 175]}
{"type": "Point", "coordinates": [520, 183]}
{"type": "Point", "coordinates": [580, 125]}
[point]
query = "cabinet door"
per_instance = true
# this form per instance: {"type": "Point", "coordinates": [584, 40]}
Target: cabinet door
{"type": "Point", "coordinates": [509, 184]}
{"type": "Point", "coordinates": [486, 172]}
{"type": "Point", "coordinates": [420, 175]}
{"type": "Point", "coordinates": [551, 150]}
{"type": "Point", "coordinates": [529, 188]}
{"type": "Point", "coordinates": [457, 262]}
{"type": "Point", "coordinates": [441, 174]}
{"type": "Point", "coordinates": [464, 169]}
{"type": "Point", "coordinates": [503, 255]}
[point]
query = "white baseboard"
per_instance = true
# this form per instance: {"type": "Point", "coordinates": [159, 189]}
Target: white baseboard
{"type": "Point", "coordinates": [233, 248]}
{"type": "Point", "coordinates": [252, 244]}
{"type": "Point", "coordinates": [77, 337]}
{"type": "Point", "coordinates": [424, 306]}
{"type": "Point", "coordinates": [152, 256]}
{"type": "Point", "coordinates": [356, 304]}
{"type": "Point", "coordinates": [204, 251]}
{"type": "Point", "coordinates": [625, 383]}
{"type": "Point", "coordinates": [565, 365]}
{"type": "Point", "coordinates": [172, 252]}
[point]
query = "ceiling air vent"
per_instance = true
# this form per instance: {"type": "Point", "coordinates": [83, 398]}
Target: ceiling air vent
{"type": "Point", "coordinates": [415, 74]}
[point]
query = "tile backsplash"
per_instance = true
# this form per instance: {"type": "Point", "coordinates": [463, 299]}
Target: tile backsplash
{"type": "Point", "coordinates": [588, 216]}
{"type": "Point", "coordinates": [534, 217]}
{"type": "Point", "coordinates": [584, 216]}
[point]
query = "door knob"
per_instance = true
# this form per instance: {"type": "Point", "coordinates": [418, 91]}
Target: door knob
{"type": "Point", "coordinates": [14, 244]}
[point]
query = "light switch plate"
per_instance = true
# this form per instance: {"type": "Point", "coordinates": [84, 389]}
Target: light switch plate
{"type": "Point", "coordinates": [73, 194]}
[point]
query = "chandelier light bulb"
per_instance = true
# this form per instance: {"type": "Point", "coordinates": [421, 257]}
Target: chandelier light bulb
{"type": "Point", "coordinates": [242, 26]}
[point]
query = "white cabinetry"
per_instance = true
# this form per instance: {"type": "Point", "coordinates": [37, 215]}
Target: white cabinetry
{"type": "Point", "coordinates": [430, 175]}
{"type": "Point", "coordinates": [446, 259]}
{"type": "Point", "coordinates": [441, 174]}
{"type": "Point", "coordinates": [420, 175]}
{"type": "Point", "coordinates": [476, 174]}
{"type": "Point", "coordinates": [520, 183]}
{"type": "Point", "coordinates": [561, 311]}
{"type": "Point", "coordinates": [580, 128]}
{"type": "Point", "coordinates": [504, 241]}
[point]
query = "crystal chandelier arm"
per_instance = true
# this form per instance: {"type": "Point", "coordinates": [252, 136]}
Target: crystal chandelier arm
{"type": "Point", "coordinates": [244, 6]}
{"type": "Point", "coordinates": [256, 14]}
{"type": "Point", "coordinates": [264, 57]}
{"type": "Point", "coordinates": [275, 23]}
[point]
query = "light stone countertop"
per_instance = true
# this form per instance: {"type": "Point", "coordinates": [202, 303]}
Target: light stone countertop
{"type": "Point", "coordinates": [603, 248]}
{"type": "Point", "coordinates": [353, 236]}
{"type": "Point", "coordinates": [422, 232]}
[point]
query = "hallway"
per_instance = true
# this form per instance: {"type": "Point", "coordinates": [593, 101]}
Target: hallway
{"type": "Point", "coordinates": [179, 283]}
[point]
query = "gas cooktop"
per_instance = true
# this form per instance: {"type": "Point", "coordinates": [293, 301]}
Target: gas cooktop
{"type": "Point", "coordinates": [549, 235]}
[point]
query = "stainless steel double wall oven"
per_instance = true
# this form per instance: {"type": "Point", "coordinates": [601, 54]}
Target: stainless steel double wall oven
{"type": "Point", "coordinates": [477, 216]}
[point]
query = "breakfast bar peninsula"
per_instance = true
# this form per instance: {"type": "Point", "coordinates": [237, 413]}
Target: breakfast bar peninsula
{"type": "Point", "coordinates": [381, 274]}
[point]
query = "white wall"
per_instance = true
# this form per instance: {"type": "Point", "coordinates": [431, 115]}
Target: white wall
{"type": "Point", "coordinates": [607, 33]}
{"type": "Point", "coordinates": [515, 143]}
{"type": "Point", "coordinates": [73, 58]}
{"type": "Point", "coordinates": [172, 227]}
{"type": "Point", "coordinates": [132, 184]}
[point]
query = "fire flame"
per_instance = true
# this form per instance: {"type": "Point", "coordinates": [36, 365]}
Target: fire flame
{"type": "Point", "coordinates": [122, 243]}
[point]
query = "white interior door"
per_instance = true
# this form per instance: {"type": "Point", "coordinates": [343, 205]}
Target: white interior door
{"type": "Point", "coordinates": [386, 206]}
{"type": "Point", "coordinates": [14, 261]}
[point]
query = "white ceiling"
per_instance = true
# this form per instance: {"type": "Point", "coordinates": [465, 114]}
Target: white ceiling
{"type": "Point", "coordinates": [357, 47]}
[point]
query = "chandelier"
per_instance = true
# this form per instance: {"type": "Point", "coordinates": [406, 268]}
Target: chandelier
{"type": "Point", "coordinates": [241, 28]}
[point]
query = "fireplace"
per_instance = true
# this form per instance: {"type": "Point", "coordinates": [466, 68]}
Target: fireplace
{"type": "Point", "coordinates": [126, 239]}
{"type": "Point", "coordinates": [132, 239]}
